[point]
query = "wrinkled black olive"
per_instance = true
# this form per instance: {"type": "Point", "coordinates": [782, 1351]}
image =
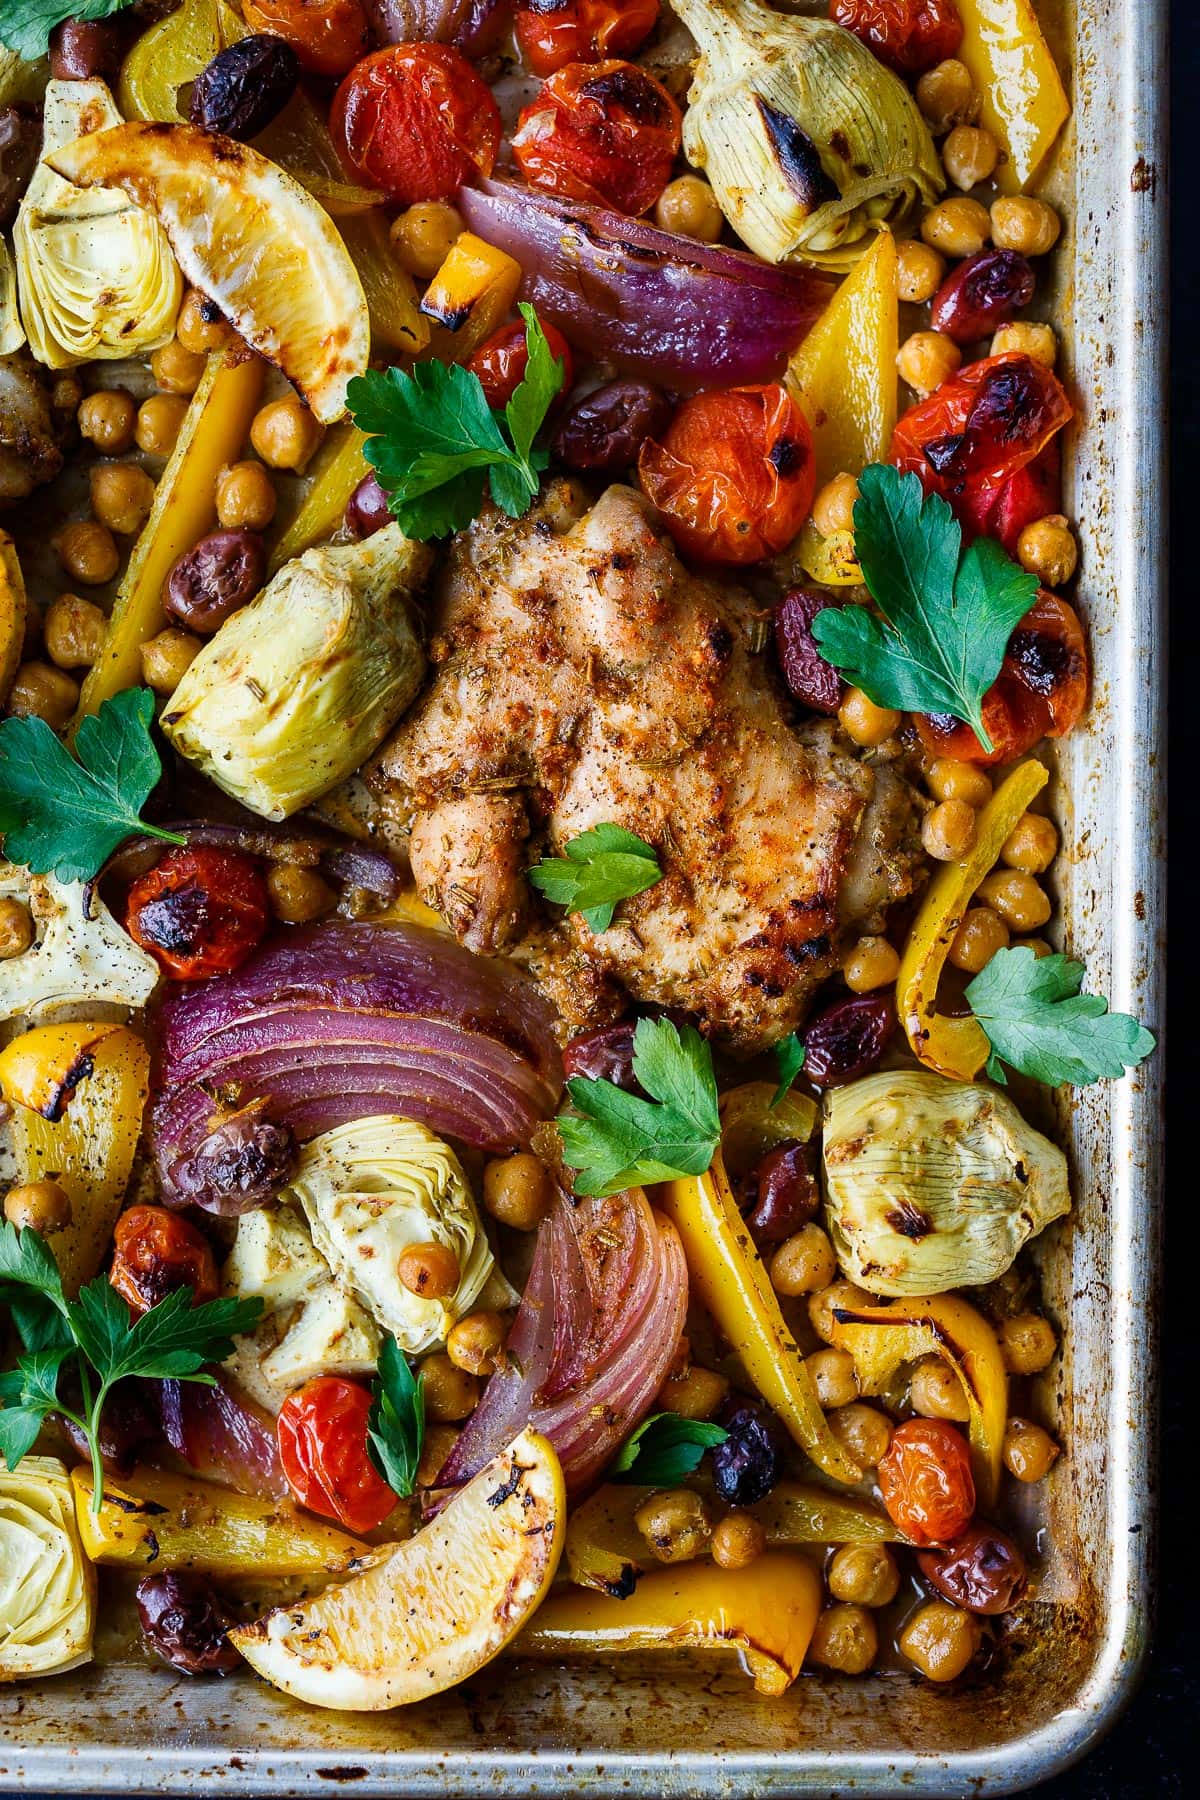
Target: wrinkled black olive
{"type": "Point", "coordinates": [781, 1193]}
{"type": "Point", "coordinates": [215, 578]}
{"type": "Point", "coordinates": [367, 509]}
{"type": "Point", "coordinates": [83, 48]}
{"type": "Point", "coordinates": [245, 86]}
{"type": "Point", "coordinates": [848, 1038]}
{"type": "Point", "coordinates": [813, 681]}
{"type": "Point", "coordinates": [985, 291]}
{"type": "Point", "coordinates": [20, 146]}
{"type": "Point", "coordinates": [603, 432]}
{"type": "Point", "coordinates": [749, 1463]}
{"type": "Point", "coordinates": [184, 1623]}
{"type": "Point", "coordinates": [982, 1570]}
{"type": "Point", "coordinates": [605, 1054]}
{"type": "Point", "coordinates": [239, 1166]}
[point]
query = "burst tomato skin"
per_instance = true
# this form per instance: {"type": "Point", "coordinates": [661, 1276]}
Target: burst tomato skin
{"type": "Point", "coordinates": [199, 911]}
{"type": "Point", "coordinates": [415, 120]}
{"type": "Point", "coordinates": [322, 1430]}
{"type": "Point", "coordinates": [1004, 510]}
{"type": "Point", "coordinates": [155, 1252]}
{"type": "Point", "coordinates": [501, 361]}
{"type": "Point", "coordinates": [982, 426]}
{"type": "Point", "coordinates": [907, 35]}
{"type": "Point", "coordinates": [604, 132]}
{"type": "Point", "coordinates": [926, 1482]}
{"type": "Point", "coordinates": [552, 33]}
{"type": "Point", "coordinates": [328, 36]}
{"type": "Point", "coordinates": [733, 475]}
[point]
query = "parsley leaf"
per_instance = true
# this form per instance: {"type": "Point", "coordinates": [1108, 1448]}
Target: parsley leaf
{"type": "Point", "coordinates": [396, 1421]}
{"type": "Point", "coordinates": [435, 443]}
{"type": "Point", "coordinates": [599, 867]}
{"type": "Point", "coordinates": [172, 1341]}
{"type": "Point", "coordinates": [789, 1060]}
{"type": "Point", "coordinates": [65, 816]}
{"type": "Point", "coordinates": [946, 622]}
{"type": "Point", "coordinates": [25, 25]}
{"type": "Point", "coordinates": [621, 1138]}
{"type": "Point", "coordinates": [1039, 1023]}
{"type": "Point", "coordinates": [664, 1448]}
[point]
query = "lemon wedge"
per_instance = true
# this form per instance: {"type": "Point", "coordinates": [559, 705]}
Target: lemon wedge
{"type": "Point", "coordinates": [251, 238]}
{"type": "Point", "coordinates": [428, 1612]}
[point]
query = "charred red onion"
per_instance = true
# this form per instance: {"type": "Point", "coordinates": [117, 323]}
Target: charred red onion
{"type": "Point", "coordinates": [223, 1435]}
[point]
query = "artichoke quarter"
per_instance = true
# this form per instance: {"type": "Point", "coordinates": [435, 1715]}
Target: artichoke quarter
{"type": "Point", "coordinates": [298, 688]}
{"type": "Point", "coordinates": [810, 144]}
{"type": "Point", "coordinates": [933, 1184]}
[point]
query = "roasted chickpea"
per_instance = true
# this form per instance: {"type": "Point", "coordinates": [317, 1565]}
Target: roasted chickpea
{"type": "Point", "coordinates": [167, 657]}
{"type": "Point", "coordinates": [1016, 896]}
{"type": "Point", "coordinates": [66, 395]}
{"type": "Point", "coordinates": [176, 369]}
{"type": "Point", "coordinates": [1028, 1452]}
{"type": "Point", "coordinates": [737, 1541]}
{"type": "Point", "coordinates": [1031, 845]}
{"type": "Point", "coordinates": [844, 1638]}
{"type": "Point", "coordinates": [1047, 549]}
{"type": "Point", "coordinates": [88, 552]}
{"type": "Point", "coordinates": [423, 236]}
{"type": "Point", "coordinates": [430, 1271]}
{"type": "Point", "coordinates": [285, 434]}
{"type": "Point", "coordinates": [946, 95]}
{"type": "Point", "coordinates": [1027, 1343]}
{"type": "Point", "coordinates": [517, 1190]}
{"type": "Point", "coordinates": [926, 359]}
{"type": "Point", "coordinates": [1026, 338]}
{"type": "Point", "coordinates": [920, 271]}
{"type": "Point", "coordinates": [936, 1392]}
{"type": "Point", "coordinates": [803, 1263]}
{"type": "Point", "coordinates": [832, 1374]}
{"type": "Point", "coordinates": [246, 497]}
{"type": "Point", "coordinates": [940, 1640]}
{"type": "Point", "coordinates": [949, 779]}
{"type": "Point", "coordinates": [201, 325]}
{"type": "Point", "coordinates": [864, 1575]}
{"type": "Point", "coordinates": [948, 830]}
{"type": "Point", "coordinates": [833, 508]}
{"type": "Point", "coordinates": [689, 206]}
{"type": "Point", "coordinates": [1021, 223]}
{"type": "Point", "coordinates": [956, 227]}
{"type": "Point", "coordinates": [74, 631]}
{"type": "Point", "coordinates": [450, 1393]}
{"type": "Point", "coordinates": [863, 1432]}
{"type": "Point", "coordinates": [1038, 945]}
{"type": "Point", "coordinates": [872, 963]}
{"type": "Point", "coordinates": [439, 1442]}
{"type": "Point", "coordinates": [16, 928]}
{"type": "Point", "coordinates": [694, 1393]}
{"type": "Point", "coordinates": [122, 495]}
{"type": "Point", "coordinates": [841, 1296]}
{"type": "Point", "coordinates": [43, 1206]}
{"type": "Point", "coordinates": [40, 691]}
{"type": "Point", "coordinates": [107, 419]}
{"type": "Point", "coordinates": [977, 939]}
{"type": "Point", "coordinates": [865, 723]}
{"type": "Point", "coordinates": [158, 423]}
{"type": "Point", "coordinates": [475, 1342]}
{"type": "Point", "coordinates": [675, 1525]}
{"type": "Point", "coordinates": [969, 156]}
{"type": "Point", "coordinates": [298, 895]}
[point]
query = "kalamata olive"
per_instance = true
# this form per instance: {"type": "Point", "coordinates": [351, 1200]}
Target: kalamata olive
{"type": "Point", "coordinates": [602, 433]}
{"type": "Point", "coordinates": [214, 578]}
{"type": "Point", "coordinates": [981, 1571]}
{"type": "Point", "coordinates": [83, 48]}
{"type": "Point", "coordinates": [20, 143]}
{"type": "Point", "coordinates": [985, 291]}
{"type": "Point", "coordinates": [605, 1054]}
{"type": "Point", "coordinates": [367, 509]}
{"type": "Point", "coordinates": [127, 1423]}
{"type": "Point", "coordinates": [239, 1166]}
{"type": "Point", "coordinates": [749, 1463]}
{"type": "Point", "coordinates": [782, 1193]}
{"type": "Point", "coordinates": [847, 1039]}
{"type": "Point", "coordinates": [813, 681]}
{"type": "Point", "coordinates": [245, 86]}
{"type": "Point", "coordinates": [183, 1621]}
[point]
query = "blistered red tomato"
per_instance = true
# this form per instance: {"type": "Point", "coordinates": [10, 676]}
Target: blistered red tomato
{"type": "Point", "coordinates": [155, 1252]}
{"type": "Point", "coordinates": [328, 36]}
{"type": "Point", "coordinates": [907, 35]}
{"type": "Point", "coordinates": [1004, 510]}
{"type": "Point", "coordinates": [199, 911]}
{"type": "Point", "coordinates": [552, 33]}
{"type": "Point", "coordinates": [416, 120]}
{"type": "Point", "coordinates": [734, 475]}
{"type": "Point", "coordinates": [604, 132]}
{"type": "Point", "coordinates": [983, 425]}
{"type": "Point", "coordinates": [501, 361]}
{"type": "Point", "coordinates": [322, 1431]}
{"type": "Point", "coordinates": [926, 1482]}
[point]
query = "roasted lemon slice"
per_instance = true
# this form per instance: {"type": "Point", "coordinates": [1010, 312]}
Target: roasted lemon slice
{"type": "Point", "coordinates": [250, 237]}
{"type": "Point", "coordinates": [431, 1611]}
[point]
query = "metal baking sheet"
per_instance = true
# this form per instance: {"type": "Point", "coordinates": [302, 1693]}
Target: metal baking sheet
{"type": "Point", "coordinates": [667, 1730]}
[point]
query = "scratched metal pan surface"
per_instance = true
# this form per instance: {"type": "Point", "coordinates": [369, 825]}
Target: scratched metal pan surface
{"type": "Point", "coordinates": [671, 1730]}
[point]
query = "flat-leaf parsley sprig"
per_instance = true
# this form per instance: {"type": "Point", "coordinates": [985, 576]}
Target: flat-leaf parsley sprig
{"type": "Point", "coordinates": [596, 869]}
{"type": "Point", "coordinates": [622, 1139]}
{"type": "Point", "coordinates": [396, 1421]}
{"type": "Point", "coordinates": [26, 25]}
{"type": "Point", "coordinates": [1039, 1023]}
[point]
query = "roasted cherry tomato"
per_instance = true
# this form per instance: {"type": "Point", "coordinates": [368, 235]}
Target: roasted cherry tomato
{"type": "Point", "coordinates": [1041, 690]}
{"type": "Point", "coordinates": [199, 911]}
{"type": "Point", "coordinates": [552, 33]}
{"type": "Point", "coordinates": [328, 36]}
{"type": "Point", "coordinates": [981, 426]}
{"type": "Point", "coordinates": [323, 1448]}
{"type": "Point", "coordinates": [926, 1482]}
{"type": "Point", "coordinates": [1004, 510]}
{"type": "Point", "coordinates": [155, 1252]}
{"type": "Point", "coordinates": [907, 35]}
{"type": "Point", "coordinates": [416, 120]}
{"type": "Point", "coordinates": [501, 361]}
{"type": "Point", "coordinates": [604, 132]}
{"type": "Point", "coordinates": [734, 475]}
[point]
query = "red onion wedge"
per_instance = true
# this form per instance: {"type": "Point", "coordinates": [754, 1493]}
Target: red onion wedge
{"type": "Point", "coordinates": [223, 1435]}
{"type": "Point", "coordinates": [597, 1331]}
{"type": "Point", "coordinates": [475, 26]}
{"type": "Point", "coordinates": [685, 313]}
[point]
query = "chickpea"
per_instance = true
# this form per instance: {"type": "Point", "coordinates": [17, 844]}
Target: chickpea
{"type": "Point", "coordinates": [864, 1575]}
{"type": "Point", "coordinates": [936, 1392]}
{"type": "Point", "coordinates": [676, 1525]}
{"type": "Point", "coordinates": [1022, 223]}
{"type": "Point", "coordinates": [246, 498]}
{"type": "Point", "coordinates": [423, 237]}
{"type": "Point", "coordinates": [517, 1191]}
{"type": "Point", "coordinates": [949, 779]}
{"type": "Point", "coordinates": [167, 658]}
{"type": "Point", "coordinates": [74, 630]}
{"type": "Point", "coordinates": [920, 271]}
{"type": "Point", "coordinates": [844, 1638]}
{"type": "Point", "coordinates": [158, 423]}
{"type": "Point", "coordinates": [1038, 945]}
{"type": "Point", "coordinates": [1026, 338]}
{"type": "Point", "coordinates": [1016, 896]}
{"type": "Point", "coordinates": [1028, 1452]}
{"type": "Point", "coordinates": [1027, 1343]}
{"type": "Point", "coordinates": [863, 1432]}
{"type": "Point", "coordinates": [450, 1393]}
{"type": "Point", "coordinates": [940, 1640]}
{"type": "Point", "coordinates": [833, 508]}
{"type": "Point", "coordinates": [864, 722]}
{"type": "Point", "coordinates": [969, 156]}
{"type": "Point", "coordinates": [977, 939]}
{"type": "Point", "coordinates": [803, 1263]}
{"type": "Point", "coordinates": [298, 895]}
{"type": "Point", "coordinates": [439, 1442]}
{"type": "Point", "coordinates": [475, 1342]}
{"type": "Point", "coordinates": [872, 963]}
{"type": "Point", "coordinates": [926, 359]}
{"type": "Point", "coordinates": [1047, 548]}
{"type": "Point", "coordinates": [177, 369]}
{"type": "Point", "coordinates": [66, 395]}
{"type": "Point", "coordinates": [201, 325]}
{"type": "Point", "coordinates": [107, 419]}
{"type": "Point", "coordinates": [1031, 845]}
{"type": "Point", "coordinates": [285, 434]}
{"type": "Point", "coordinates": [40, 691]}
{"type": "Point", "coordinates": [956, 227]}
{"type": "Point", "coordinates": [16, 928]}
{"type": "Point", "coordinates": [122, 495]}
{"type": "Point", "coordinates": [737, 1541]}
{"type": "Point", "coordinates": [43, 1206]}
{"type": "Point", "coordinates": [694, 1393]}
{"type": "Point", "coordinates": [832, 1374]}
{"type": "Point", "coordinates": [430, 1271]}
{"type": "Point", "coordinates": [948, 830]}
{"type": "Point", "coordinates": [946, 96]}
{"type": "Point", "coordinates": [88, 552]}
{"type": "Point", "coordinates": [843, 1296]}
{"type": "Point", "coordinates": [689, 206]}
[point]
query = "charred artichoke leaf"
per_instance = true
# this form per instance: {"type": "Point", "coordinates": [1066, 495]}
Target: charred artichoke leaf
{"type": "Point", "coordinates": [47, 1585]}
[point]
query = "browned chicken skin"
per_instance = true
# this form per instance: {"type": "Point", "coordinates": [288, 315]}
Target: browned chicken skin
{"type": "Point", "coordinates": [582, 675]}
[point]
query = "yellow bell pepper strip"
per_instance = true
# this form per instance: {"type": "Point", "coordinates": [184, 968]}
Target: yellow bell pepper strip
{"type": "Point", "coordinates": [765, 1613]}
{"type": "Point", "coordinates": [957, 1047]}
{"type": "Point", "coordinates": [215, 428]}
{"type": "Point", "coordinates": [42, 1068]}
{"type": "Point", "coordinates": [397, 324]}
{"type": "Point", "coordinates": [880, 1338]}
{"type": "Point", "coordinates": [1022, 101]}
{"type": "Point", "coordinates": [831, 560]}
{"type": "Point", "coordinates": [333, 475]}
{"type": "Point", "coordinates": [728, 1277]}
{"type": "Point", "coordinates": [90, 1149]}
{"type": "Point", "coordinates": [843, 376]}
{"type": "Point", "coordinates": [803, 1512]}
{"type": "Point", "coordinates": [156, 1521]}
{"type": "Point", "coordinates": [470, 296]}
{"type": "Point", "coordinates": [299, 141]}
{"type": "Point", "coordinates": [12, 614]}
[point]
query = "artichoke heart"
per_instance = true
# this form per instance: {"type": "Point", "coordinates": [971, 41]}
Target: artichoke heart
{"type": "Point", "coordinates": [933, 1184]}
{"type": "Point", "coordinates": [809, 142]}
{"type": "Point", "coordinates": [297, 689]}
{"type": "Point", "coordinates": [96, 275]}
{"type": "Point", "coordinates": [47, 1585]}
{"type": "Point", "coordinates": [12, 332]}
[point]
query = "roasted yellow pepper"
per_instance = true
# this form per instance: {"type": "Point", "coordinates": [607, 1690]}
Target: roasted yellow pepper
{"type": "Point", "coordinates": [1021, 97]}
{"type": "Point", "coordinates": [397, 324]}
{"type": "Point", "coordinates": [336, 471]}
{"type": "Point", "coordinates": [12, 614]}
{"type": "Point", "coordinates": [831, 560]}
{"type": "Point", "coordinates": [470, 296]}
{"type": "Point", "coordinates": [956, 1046]}
{"type": "Point", "coordinates": [844, 373]}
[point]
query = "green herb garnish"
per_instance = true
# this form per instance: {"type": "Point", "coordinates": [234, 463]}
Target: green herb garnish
{"type": "Point", "coordinates": [598, 868]}
{"type": "Point", "coordinates": [789, 1060]}
{"type": "Point", "coordinates": [664, 1448]}
{"type": "Point", "coordinates": [396, 1421]}
{"type": "Point", "coordinates": [622, 1139]}
{"type": "Point", "coordinates": [26, 25]}
{"type": "Point", "coordinates": [1039, 1023]}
